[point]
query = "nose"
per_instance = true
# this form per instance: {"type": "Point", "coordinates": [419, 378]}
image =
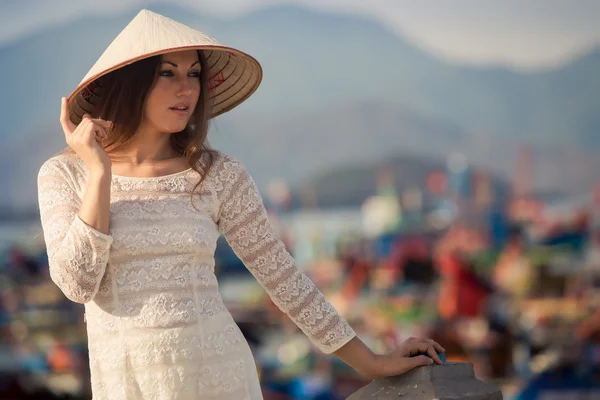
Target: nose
{"type": "Point", "coordinates": [184, 89]}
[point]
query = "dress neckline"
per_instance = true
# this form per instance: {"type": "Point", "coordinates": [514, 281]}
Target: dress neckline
{"type": "Point", "coordinates": [153, 177]}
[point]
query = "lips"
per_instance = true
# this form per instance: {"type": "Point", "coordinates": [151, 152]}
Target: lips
{"type": "Point", "coordinates": [180, 107]}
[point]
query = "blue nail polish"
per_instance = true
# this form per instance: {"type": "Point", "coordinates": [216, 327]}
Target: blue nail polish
{"type": "Point", "coordinates": [442, 356]}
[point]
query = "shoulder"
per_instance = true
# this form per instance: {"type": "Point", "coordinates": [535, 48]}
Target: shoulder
{"type": "Point", "coordinates": [226, 167]}
{"type": "Point", "coordinates": [65, 165]}
{"type": "Point", "coordinates": [224, 160]}
{"type": "Point", "coordinates": [228, 176]}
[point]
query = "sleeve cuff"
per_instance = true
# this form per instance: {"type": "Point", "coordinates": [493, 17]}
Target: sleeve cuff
{"type": "Point", "coordinates": [338, 345]}
{"type": "Point", "coordinates": [88, 229]}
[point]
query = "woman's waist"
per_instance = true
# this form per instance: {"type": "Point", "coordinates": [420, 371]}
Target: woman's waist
{"type": "Point", "coordinates": [204, 340]}
{"type": "Point", "coordinates": [156, 310]}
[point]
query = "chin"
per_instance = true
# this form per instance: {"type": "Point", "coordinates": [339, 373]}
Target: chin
{"type": "Point", "coordinates": [174, 128]}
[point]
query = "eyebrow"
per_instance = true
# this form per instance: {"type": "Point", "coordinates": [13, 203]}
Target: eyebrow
{"type": "Point", "coordinates": [175, 65]}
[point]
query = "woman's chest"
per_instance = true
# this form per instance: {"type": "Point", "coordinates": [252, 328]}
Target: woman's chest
{"type": "Point", "coordinates": [161, 224]}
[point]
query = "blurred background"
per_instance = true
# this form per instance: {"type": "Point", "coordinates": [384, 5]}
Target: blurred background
{"type": "Point", "coordinates": [433, 166]}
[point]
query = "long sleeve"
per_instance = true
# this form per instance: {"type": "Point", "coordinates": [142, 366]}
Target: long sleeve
{"type": "Point", "coordinates": [243, 221]}
{"type": "Point", "coordinates": [77, 253]}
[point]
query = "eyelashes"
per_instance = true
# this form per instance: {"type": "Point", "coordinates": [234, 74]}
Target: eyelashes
{"type": "Point", "coordinates": [169, 73]}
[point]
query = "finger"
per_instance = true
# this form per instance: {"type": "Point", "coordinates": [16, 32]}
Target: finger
{"type": "Point", "coordinates": [419, 346]}
{"type": "Point", "coordinates": [431, 350]}
{"type": "Point", "coordinates": [438, 347]}
{"type": "Point", "coordinates": [80, 129]}
{"type": "Point", "coordinates": [103, 123]}
{"type": "Point", "coordinates": [65, 121]}
{"type": "Point", "coordinates": [85, 129]}
{"type": "Point", "coordinates": [83, 125]}
{"type": "Point", "coordinates": [100, 133]}
{"type": "Point", "coordinates": [90, 128]}
{"type": "Point", "coordinates": [424, 346]}
{"type": "Point", "coordinates": [419, 361]}
{"type": "Point", "coordinates": [96, 133]}
{"type": "Point", "coordinates": [434, 355]}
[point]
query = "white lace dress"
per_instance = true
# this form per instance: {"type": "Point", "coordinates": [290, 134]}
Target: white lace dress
{"type": "Point", "coordinates": [157, 326]}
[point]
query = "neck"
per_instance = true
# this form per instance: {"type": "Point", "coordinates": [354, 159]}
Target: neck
{"type": "Point", "coordinates": [146, 147]}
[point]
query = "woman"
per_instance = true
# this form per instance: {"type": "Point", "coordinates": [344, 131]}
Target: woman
{"type": "Point", "coordinates": [132, 211]}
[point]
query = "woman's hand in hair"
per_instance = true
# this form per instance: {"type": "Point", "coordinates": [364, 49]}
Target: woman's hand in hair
{"type": "Point", "coordinates": [85, 139]}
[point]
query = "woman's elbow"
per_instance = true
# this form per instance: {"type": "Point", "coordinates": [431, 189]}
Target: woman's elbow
{"type": "Point", "coordinates": [75, 288]}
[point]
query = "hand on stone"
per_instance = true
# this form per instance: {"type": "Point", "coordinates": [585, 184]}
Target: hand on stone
{"type": "Point", "coordinates": [408, 355]}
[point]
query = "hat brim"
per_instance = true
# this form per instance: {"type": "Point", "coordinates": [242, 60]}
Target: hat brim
{"type": "Point", "coordinates": [233, 76]}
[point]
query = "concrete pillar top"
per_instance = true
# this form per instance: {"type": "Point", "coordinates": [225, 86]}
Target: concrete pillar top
{"type": "Point", "coordinates": [451, 381]}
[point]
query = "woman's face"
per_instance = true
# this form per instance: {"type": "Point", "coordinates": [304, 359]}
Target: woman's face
{"type": "Point", "coordinates": [173, 98]}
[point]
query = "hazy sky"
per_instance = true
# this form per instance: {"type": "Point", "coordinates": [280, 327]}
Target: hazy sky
{"type": "Point", "coordinates": [517, 33]}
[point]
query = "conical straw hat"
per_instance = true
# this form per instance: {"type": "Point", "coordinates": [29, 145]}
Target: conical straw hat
{"type": "Point", "coordinates": [232, 74]}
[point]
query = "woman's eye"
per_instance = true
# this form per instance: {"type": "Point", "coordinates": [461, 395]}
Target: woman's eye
{"type": "Point", "coordinates": [195, 74]}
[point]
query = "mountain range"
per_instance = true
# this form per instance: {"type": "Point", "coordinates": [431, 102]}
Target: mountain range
{"type": "Point", "coordinates": [337, 90]}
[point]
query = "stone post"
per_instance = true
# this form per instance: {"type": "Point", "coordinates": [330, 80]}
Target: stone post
{"type": "Point", "coordinates": [451, 381]}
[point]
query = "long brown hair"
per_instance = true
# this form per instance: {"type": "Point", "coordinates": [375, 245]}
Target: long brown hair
{"type": "Point", "coordinates": [124, 94]}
